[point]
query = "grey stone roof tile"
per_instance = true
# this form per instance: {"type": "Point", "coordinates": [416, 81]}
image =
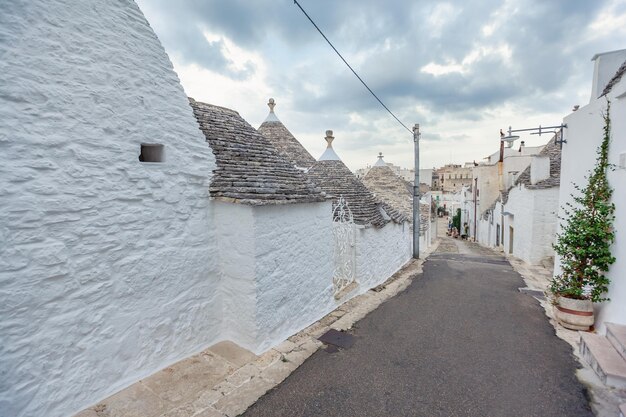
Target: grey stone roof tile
{"type": "Point", "coordinates": [249, 169]}
{"type": "Point", "coordinates": [390, 188]}
{"type": "Point", "coordinates": [553, 151]}
{"type": "Point", "coordinates": [286, 144]}
{"type": "Point", "coordinates": [334, 177]}
{"type": "Point", "coordinates": [282, 139]}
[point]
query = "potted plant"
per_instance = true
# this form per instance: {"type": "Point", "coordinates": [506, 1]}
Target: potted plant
{"type": "Point", "coordinates": [584, 245]}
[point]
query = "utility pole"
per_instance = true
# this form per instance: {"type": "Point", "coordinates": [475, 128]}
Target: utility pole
{"type": "Point", "coordinates": [416, 194]}
{"type": "Point", "coordinates": [475, 198]}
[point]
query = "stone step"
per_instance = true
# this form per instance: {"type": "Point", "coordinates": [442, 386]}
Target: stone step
{"type": "Point", "coordinates": [616, 333]}
{"type": "Point", "coordinates": [604, 359]}
{"type": "Point", "coordinates": [622, 410]}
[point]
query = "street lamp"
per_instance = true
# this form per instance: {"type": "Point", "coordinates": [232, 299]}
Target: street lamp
{"type": "Point", "coordinates": [536, 131]}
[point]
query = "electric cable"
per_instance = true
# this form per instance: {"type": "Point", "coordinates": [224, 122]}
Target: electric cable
{"type": "Point", "coordinates": [351, 69]}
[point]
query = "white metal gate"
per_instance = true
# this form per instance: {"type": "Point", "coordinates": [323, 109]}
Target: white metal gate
{"type": "Point", "coordinates": [344, 235]}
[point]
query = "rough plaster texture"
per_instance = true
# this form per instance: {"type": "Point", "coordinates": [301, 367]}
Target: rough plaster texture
{"type": "Point", "coordinates": [237, 246]}
{"type": "Point", "coordinates": [534, 223]}
{"type": "Point", "coordinates": [276, 264]}
{"type": "Point", "coordinates": [294, 271]}
{"type": "Point", "coordinates": [487, 228]}
{"type": "Point", "coordinates": [107, 264]}
{"type": "Point", "coordinates": [539, 169]}
{"type": "Point", "coordinates": [584, 135]}
{"type": "Point", "coordinates": [382, 252]}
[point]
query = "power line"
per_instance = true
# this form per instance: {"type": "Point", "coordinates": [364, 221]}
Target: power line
{"type": "Point", "coordinates": [351, 69]}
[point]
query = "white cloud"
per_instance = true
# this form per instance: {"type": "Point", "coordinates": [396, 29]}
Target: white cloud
{"type": "Point", "coordinates": [610, 22]}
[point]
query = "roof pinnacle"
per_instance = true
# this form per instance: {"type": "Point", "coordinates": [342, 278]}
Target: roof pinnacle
{"type": "Point", "coordinates": [329, 138]}
{"type": "Point", "coordinates": [329, 154]}
{"type": "Point", "coordinates": [272, 116]}
{"type": "Point", "coordinates": [380, 162]}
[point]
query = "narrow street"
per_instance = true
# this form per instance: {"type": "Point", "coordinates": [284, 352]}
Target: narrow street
{"type": "Point", "coordinates": [460, 341]}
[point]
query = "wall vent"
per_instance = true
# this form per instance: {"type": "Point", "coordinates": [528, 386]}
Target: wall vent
{"type": "Point", "coordinates": [152, 152]}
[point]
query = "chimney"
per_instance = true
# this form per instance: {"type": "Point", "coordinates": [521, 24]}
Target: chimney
{"type": "Point", "coordinates": [606, 65]}
{"type": "Point", "coordinates": [539, 168]}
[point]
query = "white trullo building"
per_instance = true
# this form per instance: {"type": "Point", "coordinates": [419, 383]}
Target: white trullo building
{"type": "Point", "coordinates": [282, 139]}
{"type": "Point", "coordinates": [275, 235]}
{"type": "Point", "coordinates": [397, 194]}
{"type": "Point", "coordinates": [109, 264]}
{"type": "Point", "coordinates": [127, 242]}
{"type": "Point", "coordinates": [379, 241]}
{"type": "Point", "coordinates": [382, 240]}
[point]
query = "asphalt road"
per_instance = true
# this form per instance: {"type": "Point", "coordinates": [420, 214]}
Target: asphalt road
{"type": "Point", "coordinates": [460, 341]}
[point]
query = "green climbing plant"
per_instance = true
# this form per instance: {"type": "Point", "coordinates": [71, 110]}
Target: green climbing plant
{"type": "Point", "coordinates": [584, 244]}
{"type": "Point", "coordinates": [456, 220]}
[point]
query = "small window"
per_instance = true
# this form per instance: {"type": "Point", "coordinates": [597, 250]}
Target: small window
{"type": "Point", "coordinates": [152, 152]}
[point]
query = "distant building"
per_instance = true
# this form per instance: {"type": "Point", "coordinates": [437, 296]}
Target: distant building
{"type": "Point", "coordinates": [453, 177]}
{"type": "Point", "coordinates": [426, 175]}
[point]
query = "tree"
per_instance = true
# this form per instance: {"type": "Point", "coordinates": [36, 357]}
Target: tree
{"type": "Point", "coordinates": [584, 244]}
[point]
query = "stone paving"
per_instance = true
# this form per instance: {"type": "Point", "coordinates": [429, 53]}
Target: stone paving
{"type": "Point", "coordinates": [225, 379]}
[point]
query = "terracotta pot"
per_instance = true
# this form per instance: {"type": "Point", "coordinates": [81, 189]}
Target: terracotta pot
{"type": "Point", "coordinates": [574, 314]}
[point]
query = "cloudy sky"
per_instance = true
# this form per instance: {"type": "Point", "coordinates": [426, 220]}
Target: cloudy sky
{"type": "Point", "coordinates": [462, 69]}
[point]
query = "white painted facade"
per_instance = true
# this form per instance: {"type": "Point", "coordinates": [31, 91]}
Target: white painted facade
{"type": "Point", "coordinates": [490, 226]}
{"type": "Point", "coordinates": [381, 252]}
{"type": "Point", "coordinates": [276, 264]}
{"type": "Point", "coordinates": [107, 265]}
{"type": "Point", "coordinates": [584, 135]}
{"type": "Point", "coordinates": [533, 220]}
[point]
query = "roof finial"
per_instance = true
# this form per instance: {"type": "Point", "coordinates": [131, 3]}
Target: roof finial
{"type": "Point", "coordinates": [380, 162]}
{"type": "Point", "coordinates": [329, 154]}
{"type": "Point", "coordinates": [272, 116]}
{"type": "Point", "coordinates": [329, 138]}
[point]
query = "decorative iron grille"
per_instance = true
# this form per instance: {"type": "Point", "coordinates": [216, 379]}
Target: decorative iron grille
{"type": "Point", "coordinates": [344, 235]}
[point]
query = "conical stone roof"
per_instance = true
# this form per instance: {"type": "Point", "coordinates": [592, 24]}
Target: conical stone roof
{"type": "Point", "coordinates": [282, 139]}
{"type": "Point", "coordinates": [389, 187]}
{"type": "Point", "coordinates": [249, 169]}
{"type": "Point", "coordinates": [334, 177]}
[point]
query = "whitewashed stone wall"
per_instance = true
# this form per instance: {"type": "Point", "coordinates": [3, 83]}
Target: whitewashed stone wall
{"type": "Point", "coordinates": [237, 265]}
{"type": "Point", "coordinates": [277, 269]}
{"type": "Point", "coordinates": [108, 266]}
{"type": "Point", "coordinates": [484, 232]}
{"type": "Point", "coordinates": [382, 252]}
{"type": "Point", "coordinates": [584, 135]}
{"type": "Point", "coordinates": [534, 223]}
{"type": "Point", "coordinates": [294, 269]}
